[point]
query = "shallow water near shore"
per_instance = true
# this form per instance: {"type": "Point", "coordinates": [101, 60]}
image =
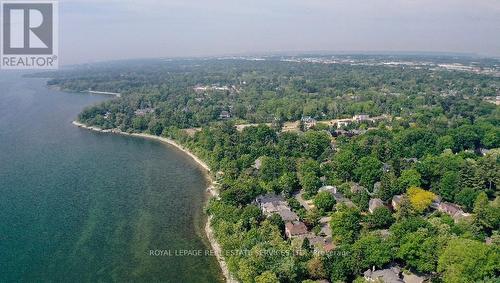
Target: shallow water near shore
{"type": "Point", "coordinates": [82, 206]}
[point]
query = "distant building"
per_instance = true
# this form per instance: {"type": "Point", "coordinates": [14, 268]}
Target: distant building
{"type": "Point", "coordinates": [410, 160]}
{"type": "Point", "coordinates": [309, 122]}
{"type": "Point", "coordinates": [384, 233]}
{"type": "Point", "coordinates": [200, 89]}
{"type": "Point", "coordinates": [144, 111]}
{"type": "Point", "coordinates": [342, 124]}
{"type": "Point", "coordinates": [361, 118]}
{"type": "Point", "coordinates": [225, 115]}
{"type": "Point", "coordinates": [351, 133]}
{"type": "Point", "coordinates": [488, 241]}
{"type": "Point", "coordinates": [295, 228]}
{"type": "Point", "coordinates": [374, 204]}
{"type": "Point", "coordinates": [204, 88]}
{"type": "Point", "coordinates": [107, 115]}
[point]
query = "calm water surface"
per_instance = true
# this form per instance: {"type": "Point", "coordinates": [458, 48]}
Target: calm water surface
{"type": "Point", "coordinates": [78, 206]}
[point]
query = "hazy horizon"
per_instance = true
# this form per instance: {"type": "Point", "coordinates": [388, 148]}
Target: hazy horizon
{"type": "Point", "coordinates": [95, 31]}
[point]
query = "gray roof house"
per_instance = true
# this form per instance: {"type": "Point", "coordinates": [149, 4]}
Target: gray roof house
{"type": "Point", "coordinates": [396, 201]}
{"type": "Point", "coordinates": [452, 210]}
{"type": "Point", "coordinates": [388, 275]}
{"type": "Point", "coordinates": [287, 214]}
{"type": "Point", "coordinates": [273, 203]}
{"type": "Point", "coordinates": [270, 203]}
{"type": "Point", "coordinates": [295, 228]}
{"type": "Point", "coordinates": [225, 115]}
{"type": "Point", "coordinates": [374, 204]}
{"type": "Point", "coordinates": [356, 188]}
{"type": "Point", "coordinates": [339, 197]}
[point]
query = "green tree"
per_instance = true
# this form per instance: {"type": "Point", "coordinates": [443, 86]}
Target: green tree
{"type": "Point", "coordinates": [406, 226]}
{"type": "Point", "coordinates": [491, 138]}
{"type": "Point", "coordinates": [486, 214]}
{"type": "Point", "coordinates": [267, 277]}
{"type": "Point", "coordinates": [139, 123]}
{"type": "Point", "coordinates": [324, 201]}
{"type": "Point", "coordinates": [344, 163]}
{"type": "Point", "coordinates": [288, 183]}
{"type": "Point", "coordinates": [361, 199]}
{"type": "Point", "coordinates": [466, 198]}
{"type": "Point", "coordinates": [310, 183]}
{"type": "Point", "coordinates": [465, 260]}
{"type": "Point", "coordinates": [340, 263]}
{"type": "Point", "coordinates": [345, 224]}
{"type": "Point", "coordinates": [316, 143]}
{"type": "Point", "coordinates": [270, 169]}
{"type": "Point", "coordinates": [448, 185]}
{"type": "Point", "coordinates": [445, 142]}
{"type": "Point", "coordinates": [316, 268]}
{"type": "Point", "coordinates": [465, 137]}
{"type": "Point", "coordinates": [409, 178]}
{"type": "Point", "coordinates": [368, 171]}
{"type": "Point", "coordinates": [388, 186]}
{"type": "Point", "coordinates": [312, 217]}
{"type": "Point", "coordinates": [469, 176]}
{"type": "Point", "coordinates": [276, 220]}
{"type": "Point", "coordinates": [289, 144]}
{"type": "Point", "coordinates": [370, 250]}
{"type": "Point", "coordinates": [489, 170]}
{"type": "Point", "coordinates": [420, 250]}
{"type": "Point", "coordinates": [380, 218]}
{"type": "Point", "coordinates": [155, 127]}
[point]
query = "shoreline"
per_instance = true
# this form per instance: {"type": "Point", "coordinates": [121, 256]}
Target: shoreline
{"type": "Point", "coordinates": [209, 233]}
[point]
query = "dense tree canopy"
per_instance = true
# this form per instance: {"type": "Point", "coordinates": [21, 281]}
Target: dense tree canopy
{"type": "Point", "coordinates": [439, 137]}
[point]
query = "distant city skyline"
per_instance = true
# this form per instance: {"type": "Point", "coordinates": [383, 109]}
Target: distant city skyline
{"type": "Point", "coordinates": [101, 30]}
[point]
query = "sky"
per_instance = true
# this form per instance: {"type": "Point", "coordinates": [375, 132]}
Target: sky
{"type": "Point", "coordinates": [100, 30]}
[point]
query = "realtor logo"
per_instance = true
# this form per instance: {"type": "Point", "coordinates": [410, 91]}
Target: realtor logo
{"type": "Point", "coordinates": [29, 35]}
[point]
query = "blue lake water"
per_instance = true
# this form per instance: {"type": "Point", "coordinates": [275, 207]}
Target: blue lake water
{"type": "Point", "coordinates": [79, 206]}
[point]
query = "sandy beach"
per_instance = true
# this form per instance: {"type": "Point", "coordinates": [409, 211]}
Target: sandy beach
{"type": "Point", "coordinates": [211, 189]}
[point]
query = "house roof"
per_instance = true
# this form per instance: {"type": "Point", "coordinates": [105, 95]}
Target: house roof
{"type": "Point", "coordinates": [308, 119]}
{"type": "Point", "coordinates": [449, 208]}
{"type": "Point", "coordinates": [296, 228]}
{"type": "Point", "coordinates": [375, 203]}
{"type": "Point", "coordinates": [396, 201]}
{"type": "Point", "coordinates": [330, 189]}
{"type": "Point", "coordinates": [287, 214]}
{"type": "Point", "coordinates": [413, 278]}
{"type": "Point", "coordinates": [388, 275]}
{"type": "Point", "coordinates": [258, 163]}
{"type": "Point", "coordinates": [271, 197]}
{"type": "Point", "coordinates": [356, 188]}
